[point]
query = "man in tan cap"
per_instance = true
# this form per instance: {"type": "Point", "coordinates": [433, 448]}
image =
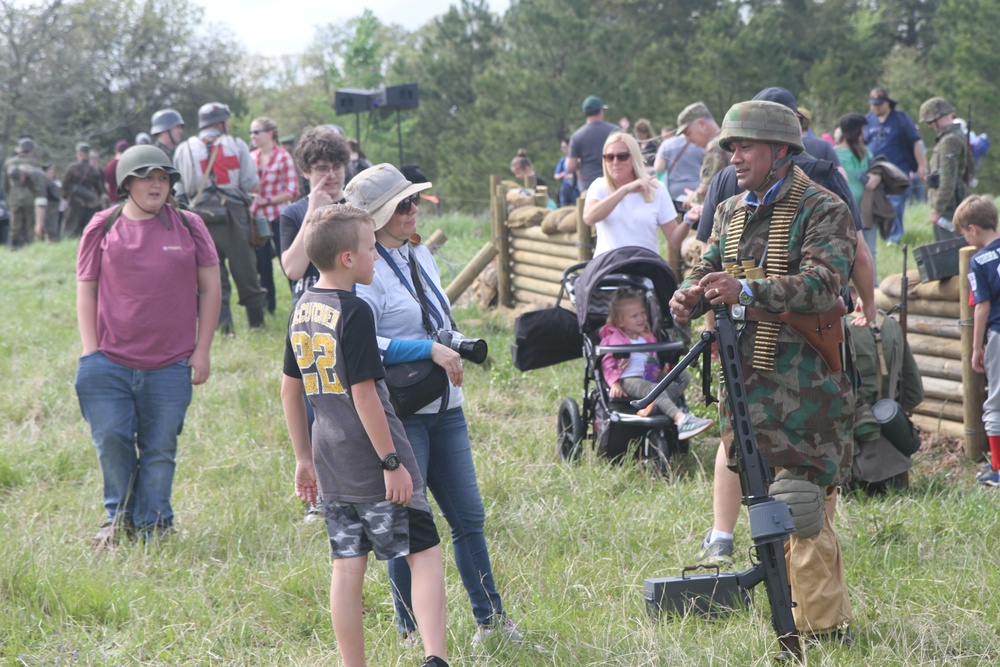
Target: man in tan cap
{"type": "Point", "coordinates": [681, 157]}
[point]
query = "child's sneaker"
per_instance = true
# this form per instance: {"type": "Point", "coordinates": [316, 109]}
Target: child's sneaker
{"type": "Point", "coordinates": [692, 425]}
{"type": "Point", "coordinates": [434, 661]}
{"type": "Point", "coordinates": [313, 513]}
{"type": "Point", "coordinates": [505, 627]}
{"type": "Point", "coordinates": [988, 476]}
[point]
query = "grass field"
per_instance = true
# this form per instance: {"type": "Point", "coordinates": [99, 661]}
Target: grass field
{"type": "Point", "coordinates": [244, 580]}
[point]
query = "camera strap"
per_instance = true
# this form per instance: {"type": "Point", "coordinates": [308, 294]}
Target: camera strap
{"type": "Point", "coordinates": [416, 289]}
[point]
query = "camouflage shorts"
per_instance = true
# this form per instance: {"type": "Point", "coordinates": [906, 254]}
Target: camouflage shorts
{"type": "Point", "coordinates": [386, 528]}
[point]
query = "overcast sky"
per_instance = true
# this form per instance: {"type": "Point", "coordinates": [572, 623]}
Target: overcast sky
{"type": "Point", "coordinates": [275, 28]}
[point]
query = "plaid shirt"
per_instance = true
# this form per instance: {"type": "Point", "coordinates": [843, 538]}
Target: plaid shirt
{"type": "Point", "coordinates": [278, 178]}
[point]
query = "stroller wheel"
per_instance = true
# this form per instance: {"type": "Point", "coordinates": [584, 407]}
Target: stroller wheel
{"type": "Point", "coordinates": [570, 434]}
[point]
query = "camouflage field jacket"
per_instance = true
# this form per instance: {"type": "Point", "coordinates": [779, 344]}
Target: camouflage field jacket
{"type": "Point", "coordinates": [802, 413]}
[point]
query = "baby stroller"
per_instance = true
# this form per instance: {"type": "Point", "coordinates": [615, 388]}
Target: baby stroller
{"type": "Point", "coordinates": [612, 424]}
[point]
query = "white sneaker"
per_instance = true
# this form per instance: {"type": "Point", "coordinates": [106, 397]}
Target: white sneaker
{"type": "Point", "coordinates": [506, 628]}
{"type": "Point", "coordinates": [692, 425]}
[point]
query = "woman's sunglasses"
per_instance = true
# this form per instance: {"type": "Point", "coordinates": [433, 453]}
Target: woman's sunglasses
{"type": "Point", "coordinates": [621, 157]}
{"type": "Point", "coordinates": [407, 204]}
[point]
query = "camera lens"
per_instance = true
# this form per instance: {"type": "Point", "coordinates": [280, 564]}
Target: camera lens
{"type": "Point", "coordinates": [474, 350]}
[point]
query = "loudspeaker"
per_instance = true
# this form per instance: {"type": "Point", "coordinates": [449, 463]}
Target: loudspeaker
{"type": "Point", "coordinates": [404, 96]}
{"type": "Point", "coordinates": [353, 101]}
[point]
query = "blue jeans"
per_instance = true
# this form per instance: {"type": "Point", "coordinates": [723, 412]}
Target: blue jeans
{"type": "Point", "coordinates": [135, 417]}
{"type": "Point", "coordinates": [444, 454]}
{"type": "Point", "coordinates": [899, 204]}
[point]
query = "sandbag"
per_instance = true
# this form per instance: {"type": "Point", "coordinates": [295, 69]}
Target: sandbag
{"type": "Point", "coordinates": [527, 216]}
{"type": "Point", "coordinates": [518, 197]}
{"type": "Point", "coordinates": [553, 220]}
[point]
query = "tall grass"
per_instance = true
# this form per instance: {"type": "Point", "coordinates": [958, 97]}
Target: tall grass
{"type": "Point", "coordinates": [244, 580]}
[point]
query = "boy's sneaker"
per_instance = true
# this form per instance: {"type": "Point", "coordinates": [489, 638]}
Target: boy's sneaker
{"type": "Point", "coordinates": [505, 627]}
{"type": "Point", "coordinates": [692, 425]}
{"type": "Point", "coordinates": [717, 551]}
{"type": "Point", "coordinates": [988, 476]}
{"type": "Point", "coordinates": [313, 513]}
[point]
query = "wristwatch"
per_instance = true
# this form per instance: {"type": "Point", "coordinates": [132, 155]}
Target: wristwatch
{"type": "Point", "coordinates": [746, 296]}
{"type": "Point", "coordinates": [390, 462]}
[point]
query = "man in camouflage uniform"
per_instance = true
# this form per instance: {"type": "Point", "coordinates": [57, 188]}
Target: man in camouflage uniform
{"type": "Point", "coordinates": [948, 169]}
{"type": "Point", "coordinates": [802, 412]}
{"type": "Point", "coordinates": [82, 186]}
{"type": "Point", "coordinates": [25, 190]}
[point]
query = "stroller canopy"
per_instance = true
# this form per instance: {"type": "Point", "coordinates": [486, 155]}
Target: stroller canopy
{"type": "Point", "coordinates": [632, 260]}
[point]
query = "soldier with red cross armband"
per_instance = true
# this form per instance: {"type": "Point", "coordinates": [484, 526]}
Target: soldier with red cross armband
{"type": "Point", "coordinates": [217, 179]}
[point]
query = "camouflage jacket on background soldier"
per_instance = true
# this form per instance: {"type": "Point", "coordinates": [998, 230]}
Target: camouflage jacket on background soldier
{"type": "Point", "coordinates": [950, 162]}
{"type": "Point", "coordinates": [802, 413]}
{"type": "Point", "coordinates": [716, 159]}
{"type": "Point", "coordinates": [82, 185]}
{"type": "Point", "coordinates": [23, 182]}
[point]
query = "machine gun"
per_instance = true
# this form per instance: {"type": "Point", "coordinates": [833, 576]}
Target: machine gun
{"type": "Point", "coordinates": [770, 520]}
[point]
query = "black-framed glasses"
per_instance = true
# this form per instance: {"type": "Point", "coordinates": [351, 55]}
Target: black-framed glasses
{"type": "Point", "coordinates": [406, 205]}
{"type": "Point", "coordinates": [624, 156]}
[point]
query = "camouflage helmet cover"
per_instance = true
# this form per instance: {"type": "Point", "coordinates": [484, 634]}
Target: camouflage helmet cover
{"type": "Point", "coordinates": [934, 108]}
{"type": "Point", "coordinates": [139, 161]}
{"type": "Point", "coordinates": [759, 120]}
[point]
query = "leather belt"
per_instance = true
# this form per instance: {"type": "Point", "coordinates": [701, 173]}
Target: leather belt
{"type": "Point", "coordinates": [760, 315]}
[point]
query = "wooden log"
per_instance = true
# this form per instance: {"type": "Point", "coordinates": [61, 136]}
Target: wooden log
{"type": "Point", "coordinates": [975, 442]}
{"type": "Point", "coordinates": [942, 426]}
{"type": "Point", "coordinates": [519, 257]}
{"type": "Point", "coordinates": [468, 274]}
{"type": "Point", "coordinates": [921, 307]}
{"type": "Point", "coordinates": [523, 297]}
{"type": "Point", "coordinates": [435, 240]}
{"type": "Point", "coordinates": [934, 290]}
{"type": "Point", "coordinates": [554, 250]}
{"type": "Point", "coordinates": [933, 346]}
{"type": "Point", "coordinates": [549, 275]}
{"type": "Point", "coordinates": [536, 286]}
{"type": "Point", "coordinates": [933, 407]}
{"type": "Point", "coordinates": [536, 234]}
{"type": "Point", "coordinates": [942, 327]}
{"type": "Point", "coordinates": [942, 389]}
{"type": "Point", "coordinates": [949, 369]}
{"type": "Point", "coordinates": [584, 234]}
{"type": "Point", "coordinates": [502, 243]}
{"type": "Point", "coordinates": [541, 195]}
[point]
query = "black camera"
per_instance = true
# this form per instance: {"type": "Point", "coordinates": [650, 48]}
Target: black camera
{"type": "Point", "coordinates": [934, 180]}
{"type": "Point", "coordinates": [473, 349]}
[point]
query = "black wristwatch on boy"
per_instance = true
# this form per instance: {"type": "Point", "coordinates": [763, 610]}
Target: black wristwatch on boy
{"type": "Point", "coordinates": [390, 462]}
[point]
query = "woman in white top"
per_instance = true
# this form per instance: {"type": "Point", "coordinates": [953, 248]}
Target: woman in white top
{"type": "Point", "coordinates": [626, 205]}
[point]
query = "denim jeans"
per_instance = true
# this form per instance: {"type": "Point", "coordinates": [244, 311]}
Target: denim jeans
{"type": "Point", "coordinates": [135, 417]}
{"type": "Point", "coordinates": [899, 204]}
{"type": "Point", "coordinates": [444, 454]}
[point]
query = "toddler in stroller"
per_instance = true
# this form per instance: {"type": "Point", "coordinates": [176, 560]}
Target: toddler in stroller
{"type": "Point", "coordinates": [606, 416]}
{"type": "Point", "coordinates": [634, 375]}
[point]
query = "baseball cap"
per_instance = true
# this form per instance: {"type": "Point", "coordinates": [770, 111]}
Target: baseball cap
{"type": "Point", "coordinates": [592, 105]}
{"type": "Point", "coordinates": [779, 95]}
{"type": "Point", "coordinates": [690, 114]}
{"type": "Point", "coordinates": [120, 145]}
{"type": "Point", "coordinates": [880, 95]}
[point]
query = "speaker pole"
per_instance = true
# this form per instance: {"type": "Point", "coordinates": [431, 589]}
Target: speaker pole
{"type": "Point", "coordinates": [399, 138]}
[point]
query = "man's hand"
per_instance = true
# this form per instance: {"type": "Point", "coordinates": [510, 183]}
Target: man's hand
{"type": "Point", "coordinates": [721, 288]}
{"type": "Point", "coordinates": [683, 302]}
{"type": "Point", "coordinates": [398, 485]}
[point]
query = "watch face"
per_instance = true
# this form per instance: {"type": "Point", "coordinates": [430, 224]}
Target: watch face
{"type": "Point", "coordinates": [746, 299]}
{"type": "Point", "coordinates": [391, 462]}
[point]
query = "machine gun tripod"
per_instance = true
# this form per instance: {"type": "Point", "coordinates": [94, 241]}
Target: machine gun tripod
{"type": "Point", "coordinates": [770, 519]}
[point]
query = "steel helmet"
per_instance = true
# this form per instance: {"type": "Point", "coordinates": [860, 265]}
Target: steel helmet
{"type": "Point", "coordinates": [212, 113]}
{"type": "Point", "coordinates": [138, 161]}
{"type": "Point", "coordinates": [759, 120]}
{"type": "Point", "coordinates": [25, 145]}
{"type": "Point", "coordinates": [934, 108]}
{"type": "Point", "coordinates": [165, 119]}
